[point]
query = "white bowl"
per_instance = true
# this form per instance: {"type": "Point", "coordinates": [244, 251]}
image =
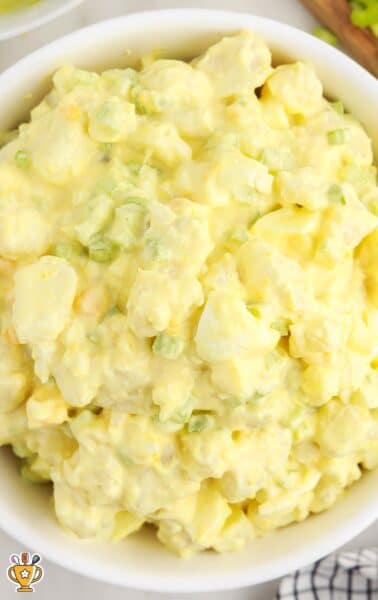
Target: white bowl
{"type": "Point", "coordinates": [20, 21]}
{"type": "Point", "coordinates": [26, 511]}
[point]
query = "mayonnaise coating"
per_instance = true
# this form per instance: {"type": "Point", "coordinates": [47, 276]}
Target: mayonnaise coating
{"type": "Point", "coordinates": [189, 315]}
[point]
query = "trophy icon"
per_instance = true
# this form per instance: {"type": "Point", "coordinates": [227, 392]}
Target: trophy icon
{"type": "Point", "coordinates": [24, 572]}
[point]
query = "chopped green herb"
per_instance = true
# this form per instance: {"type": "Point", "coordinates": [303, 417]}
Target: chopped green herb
{"type": "Point", "coordinates": [325, 35]}
{"type": "Point", "coordinates": [198, 423]}
{"type": "Point", "coordinates": [335, 194]}
{"type": "Point", "coordinates": [22, 159]}
{"type": "Point", "coordinates": [168, 346]}
{"type": "Point", "coordinates": [337, 136]}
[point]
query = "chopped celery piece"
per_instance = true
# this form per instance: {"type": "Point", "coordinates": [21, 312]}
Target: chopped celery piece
{"type": "Point", "coordinates": [277, 159]}
{"type": "Point", "coordinates": [155, 249]}
{"type": "Point", "coordinates": [168, 346]}
{"type": "Point", "coordinates": [297, 415]}
{"type": "Point", "coordinates": [63, 250]}
{"type": "Point", "coordinates": [357, 176]}
{"type": "Point", "coordinates": [282, 326]}
{"type": "Point", "coordinates": [373, 207]}
{"type": "Point", "coordinates": [183, 414]}
{"type": "Point", "coordinates": [254, 219]}
{"type": "Point", "coordinates": [254, 310]}
{"type": "Point", "coordinates": [239, 235]}
{"type": "Point", "coordinates": [338, 106]}
{"type": "Point", "coordinates": [135, 200]}
{"type": "Point", "coordinates": [101, 250]}
{"type": "Point", "coordinates": [114, 310]}
{"type": "Point", "coordinates": [128, 225]}
{"type": "Point", "coordinates": [198, 423]}
{"type": "Point", "coordinates": [93, 337]}
{"type": "Point", "coordinates": [146, 102]}
{"type": "Point", "coordinates": [337, 136]}
{"type": "Point", "coordinates": [256, 397]}
{"type": "Point", "coordinates": [271, 359]}
{"type": "Point", "coordinates": [366, 15]}
{"type": "Point", "coordinates": [22, 159]}
{"type": "Point", "coordinates": [354, 173]}
{"type": "Point", "coordinates": [221, 140]}
{"type": "Point", "coordinates": [125, 458]}
{"type": "Point", "coordinates": [134, 167]}
{"type": "Point", "coordinates": [325, 35]}
{"type": "Point", "coordinates": [232, 401]}
{"type": "Point", "coordinates": [335, 194]}
{"type": "Point", "coordinates": [99, 214]}
{"type": "Point", "coordinates": [106, 149]}
{"type": "Point", "coordinates": [245, 194]}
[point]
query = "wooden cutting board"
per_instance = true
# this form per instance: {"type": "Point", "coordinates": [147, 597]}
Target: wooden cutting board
{"type": "Point", "coordinates": [360, 43]}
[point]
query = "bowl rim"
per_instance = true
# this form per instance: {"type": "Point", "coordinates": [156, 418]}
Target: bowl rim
{"type": "Point", "coordinates": [290, 561]}
{"type": "Point", "coordinates": [34, 17]}
{"type": "Point", "coordinates": [189, 13]}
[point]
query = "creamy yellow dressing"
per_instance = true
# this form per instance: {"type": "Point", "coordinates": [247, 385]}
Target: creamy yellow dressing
{"type": "Point", "coordinates": [189, 317]}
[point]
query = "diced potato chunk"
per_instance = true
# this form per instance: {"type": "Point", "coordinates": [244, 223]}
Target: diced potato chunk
{"type": "Point", "coordinates": [297, 87]}
{"type": "Point", "coordinates": [13, 387]}
{"type": "Point", "coordinates": [61, 149]}
{"type": "Point", "coordinates": [112, 121]}
{"type": "Point", "coordinates": [44, 292]}
{"type": "Point", "coordinates": [237, 64]}
{"type": "Point", "coordinates": [45, 407]}
{"type": "Point", "coordinates": [157, 299]}
{"type": "Point", "coordinates": [23, 232]}
{"type": "Point", "coordinates": [227, 330]}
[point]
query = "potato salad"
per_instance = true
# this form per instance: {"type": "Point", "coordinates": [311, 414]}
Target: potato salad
{"type": "Point", "coordinates": [189, 298]}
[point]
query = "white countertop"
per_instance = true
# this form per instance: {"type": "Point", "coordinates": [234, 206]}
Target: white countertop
{"type": "Point", "coordinates": [59, 584]}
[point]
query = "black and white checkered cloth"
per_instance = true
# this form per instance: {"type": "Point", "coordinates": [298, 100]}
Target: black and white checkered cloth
{"type": "Point", "coordinates": [344, 576]}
